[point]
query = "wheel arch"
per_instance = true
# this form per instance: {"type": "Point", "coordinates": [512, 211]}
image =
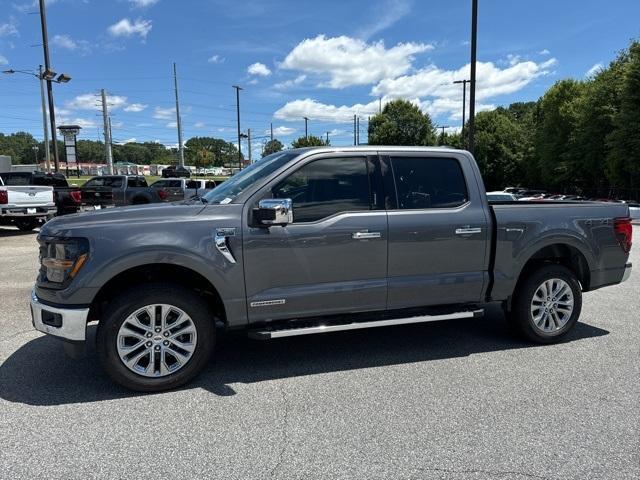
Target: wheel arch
{"type": "Point", "coordinates": [154, 272]}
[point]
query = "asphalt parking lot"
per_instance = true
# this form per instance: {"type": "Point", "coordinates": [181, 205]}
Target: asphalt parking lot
{"type": "Point", "coordinates": [448, 400]}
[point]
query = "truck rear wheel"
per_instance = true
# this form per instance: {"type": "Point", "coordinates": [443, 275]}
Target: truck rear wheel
{"type": "Point", "coordinates": [156, 337]}
{"type": "Point", "coordinates": [547, 304]}
{"type": "Point", "coordinates": [26, 224]}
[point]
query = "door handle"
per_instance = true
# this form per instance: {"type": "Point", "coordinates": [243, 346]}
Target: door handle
{"type": "Point", "coordinates": [365, 235]}
{"type": "Point", "coordinates": [468, 230]}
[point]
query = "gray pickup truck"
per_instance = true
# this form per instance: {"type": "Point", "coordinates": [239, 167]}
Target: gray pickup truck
{"type": "Point", "coordinates": [118, 190]}
{"type": "Point", "coordinates": [319, 240]}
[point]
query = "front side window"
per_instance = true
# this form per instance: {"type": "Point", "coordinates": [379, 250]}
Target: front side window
{"type": "Point", "coordinates": [325, 187]}
{"type": "Point", "coordinates": [423, 182]}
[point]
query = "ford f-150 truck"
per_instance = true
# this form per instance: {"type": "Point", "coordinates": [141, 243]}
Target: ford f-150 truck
{"type": "Point", "coordinates": [118, 190]}
{"type": "Point", "coordinates": [319, 240]}
{"type": "Point", "coordinates": [181, 188]}
{"type": "Point", "coordinates": [24, 205]}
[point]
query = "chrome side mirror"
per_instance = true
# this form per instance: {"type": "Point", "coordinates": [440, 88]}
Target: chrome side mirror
{"type": "Point", "coordinates": [275, 211]}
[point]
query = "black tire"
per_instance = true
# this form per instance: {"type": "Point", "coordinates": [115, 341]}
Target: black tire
{"type": "Point", "coordinates": [521, 316]}
{"type": "Point", "coordinates": [26, 224]}
{"type": "Point", "coordinates": [119, 309]}
{"type": "Point", "coordinates": [139, 201]}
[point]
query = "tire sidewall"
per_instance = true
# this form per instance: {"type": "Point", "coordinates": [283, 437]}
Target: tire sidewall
{"type": "Point", "coordinates": [527, 289]}
{"type": "Point", "coordinates": [188, 301]}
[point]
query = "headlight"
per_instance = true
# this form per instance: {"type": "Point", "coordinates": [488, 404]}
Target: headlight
{"type": "Point", "coordinates": [60, 260]}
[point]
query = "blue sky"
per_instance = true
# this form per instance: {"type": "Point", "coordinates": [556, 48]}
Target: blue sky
{"type": "Point", "coordinates": [324, 60]}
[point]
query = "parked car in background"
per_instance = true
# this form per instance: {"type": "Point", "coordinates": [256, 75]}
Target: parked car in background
{"type": "Point", "coordinates": [317, 240]}
{"type": "Point", "coordinates": [118, 190]}
{"type": "Point", "coordinates": [67, 198]}
{"type": "Point", "coordinates": [25, 206]}
{"type": "Point", "coordinates": [176, 172]}
{"type": "Point", "coordinates": [181, 188]}
{"type": "Point", "coordinates": [501, 197]}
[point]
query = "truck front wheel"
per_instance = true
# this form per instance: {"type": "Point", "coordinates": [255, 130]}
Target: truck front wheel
{"type": "Point", "coordinates": [156, 337]}
{"type": "Point", "coordinates": [547, 304]}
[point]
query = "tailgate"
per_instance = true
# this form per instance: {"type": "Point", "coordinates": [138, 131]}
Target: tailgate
{"type": "Point", "coordinates": [29, 196]}
{"type": "Point", "coordinates": [97, 196]}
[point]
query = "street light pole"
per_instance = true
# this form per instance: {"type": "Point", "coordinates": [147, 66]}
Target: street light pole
{"type": "Point", "coordinates": [238, 114]}
{"type": "Point", "coordinates": [45, 129]}
{"type": "Point", "coordinates": [306, 135]}
{"type": "Point", "coordinates": [47, 70]}
{"type": "Point", "coordinates": [464, 105]}
{"type": "Point", "coordinates": [472, 89]}
{"type": "Point", "coordinates": [178, 120]}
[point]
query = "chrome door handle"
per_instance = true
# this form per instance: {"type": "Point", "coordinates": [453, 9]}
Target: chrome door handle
{"type": "Point", "coordinates": [220, 239]}
{"type": "Point", "coordinates": [365, 235]}
{"type": "Point", "coordinates": [468, 230]}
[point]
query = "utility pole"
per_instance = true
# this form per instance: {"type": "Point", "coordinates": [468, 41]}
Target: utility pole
{"type": "Point", "coordinates": [238, 114]}
{"type": "Point", "coordinates": [47, 69]}
{"type": "Point", "coordinates": [107, 132]}
{"type": "Point", "coordinates": [442, 134]}
{"type": "Point", "coordinates": [178, 121]}
{"type": "Point", "coordinates": [110, 133]}
{"type": "Point", "coordinates": [379, 104]}
{"type": "Point", "coordinates": [464, 104]}
{"type": "Point", "coordinates": [327, 138]}
{"type": "Point", "coordinates": [272, 131]}
{"type": "Point", "coordinates": [472, 90]}
{"type": "Point", "coordinates": [249, 143]}
{"type": "Point", "coordinates": [355, 139]}
{"type": "Point", "coordinates": [47, 153]}
{"type": "Point", "coordinates": [357, 130]}
{"type": "Point", "coordinates": [306, 134]}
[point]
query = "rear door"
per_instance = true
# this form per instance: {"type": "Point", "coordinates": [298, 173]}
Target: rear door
{"type": "Point", "coordinates": [333, 257]}
{"type": "Point", "coordinates": [438, 235]}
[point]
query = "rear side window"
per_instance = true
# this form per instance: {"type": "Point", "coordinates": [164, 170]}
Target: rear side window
{"type": "Point", "coordinates": [136, 182]}
{"type": "Point", "coordinates": [16, 179]}
{"type": "Point", "coordinates": [423, 182]}
{"type": "Point", "coordinates": [325, 187]}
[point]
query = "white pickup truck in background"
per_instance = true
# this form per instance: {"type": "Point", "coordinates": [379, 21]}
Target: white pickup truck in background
{"type": "Point", "coordinates": [182, 188]}
{"type": "Point", "coordinates": [25, 206]}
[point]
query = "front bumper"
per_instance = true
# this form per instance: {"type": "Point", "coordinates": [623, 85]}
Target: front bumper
{"type": "Point", "coordinates": [67, 323]}
{"type": "Point", "coordinates": [627, 272]}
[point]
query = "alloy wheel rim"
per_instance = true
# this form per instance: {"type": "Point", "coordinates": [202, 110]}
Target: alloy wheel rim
{"type": "Point", "coordinates": [552, 305]}
{"type": "Point", "coordinates": [156, 340]}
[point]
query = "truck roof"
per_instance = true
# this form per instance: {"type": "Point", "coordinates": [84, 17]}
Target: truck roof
{"type": "Point", "coordinates": [377, 148]}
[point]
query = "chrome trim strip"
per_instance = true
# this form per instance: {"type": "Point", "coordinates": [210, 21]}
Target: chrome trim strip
{"type": "Point", "coordinates": [268, 334]}
{"type": "Point", "coordinates": [468, 231]}
{"type": "Point", "coordinates": [74, 320]}
{"type": "Point", "coordinates": [220, 239]}
{"type": "Point", "coordinates": [365, 235]}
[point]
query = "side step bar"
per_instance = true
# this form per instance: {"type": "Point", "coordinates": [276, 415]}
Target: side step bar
{"type": "Point", "coordinates": [267, 334]}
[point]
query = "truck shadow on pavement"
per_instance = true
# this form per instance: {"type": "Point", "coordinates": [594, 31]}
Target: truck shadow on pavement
{"type": "Point", "coordinates": [39, 373]}
{"type": "Point", "coordinates": [14, 232]}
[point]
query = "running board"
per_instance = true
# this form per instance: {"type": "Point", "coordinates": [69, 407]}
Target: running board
{"type": "Point", "coordinates": [268, 334]}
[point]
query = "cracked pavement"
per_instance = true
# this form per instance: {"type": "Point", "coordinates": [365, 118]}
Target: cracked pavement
{"type": "Point", "coordinates": [448, 400]}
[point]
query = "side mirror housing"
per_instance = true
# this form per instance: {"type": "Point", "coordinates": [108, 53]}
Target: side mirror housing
{"type": "Point", "coordinates": [275, 211]}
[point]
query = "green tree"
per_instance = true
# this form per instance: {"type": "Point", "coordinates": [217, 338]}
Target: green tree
{"type": "Point", "coordinates": [310, 141]}
{"type": "Point", "coordinates": [401, 123]}
{"type": "Point", "coordinates": [222, 152]}
{"type": "Point", "coordinates": [499, 148]}
{"type": "Point", "coordinates": [623, 161]}
{"type": "Point", "coordinates": [19, 146]}
{"type": "Point", "coordinates": [272, 146]}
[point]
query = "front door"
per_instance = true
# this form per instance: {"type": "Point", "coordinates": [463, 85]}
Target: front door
{"type": "Point", "coordinates": [333, 257]}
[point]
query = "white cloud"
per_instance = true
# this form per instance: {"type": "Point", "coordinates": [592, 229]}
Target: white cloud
{"type": "Point", "coordinates": [199, 125]}
{"type": "Point", "coordinates": [142, 3]}
{"type": "Point", "coordinates": [544, 52]}
{"type": "Point", "coordinates": [91, 101]}
{"type": "Point", "coordinates": [9, 29]}
{"type": "Point", "coordinates": [172, 125]}
{"type": "Point", "coordinates": [135, 107]}
{"type": "Point", "coordinates": [297, 109]}
{"type": "Point", "coordinates": [290, 83]}
{"type": "Point", "coordinates": [128, 140]}
{"type": "Point", "coordinates": [258, 69]}
{"type": "Point", "coordinates": [3, 60]}
{"type": "Point", "coordinates": [390, 12]}
{"type": "Point", "coordinates": [348, 61]}
{"type": "Point", "coordinates": [595, 69]}
{"type": "Point", "coordinates": [164, 113]}
{"type": "Point", "coordinates": [281, 131]}
{"type": "Point", "coordinates": [127, 28]}
{"type": "Point", "coordinates": [436, 93]}
{"type": "Point", "coordinates": [216, 59]}
{"type": "Point", "coordinates": [82, 122]}
{"type": "Point", "coordinates": [65, 41]}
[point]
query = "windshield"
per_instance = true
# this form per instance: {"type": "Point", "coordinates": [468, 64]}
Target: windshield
{"type": "Point", "coordinates": [230, 189]}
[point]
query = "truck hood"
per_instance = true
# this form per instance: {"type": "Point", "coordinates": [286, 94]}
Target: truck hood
{"type": "Point", "coordinates": [133, 216]}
